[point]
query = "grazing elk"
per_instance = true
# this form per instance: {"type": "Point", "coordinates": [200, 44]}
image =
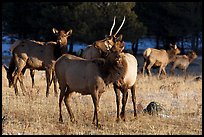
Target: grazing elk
{"type": "Point", "coordinates": [36, 56]}
{"type": "Point", "coordinates": [32, 74]}
{"type": "Point", "coordinates": [93, 75]}
{"type": "Point", "coordinates": [158, 58]}
{"type": "Point", "coordinates": [182, 61]}
{"type": "Point", "coordinates": [101, 47]}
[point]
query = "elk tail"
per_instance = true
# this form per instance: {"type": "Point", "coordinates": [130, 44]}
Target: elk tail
{"type": "Point", "coordinates": [147, 52]}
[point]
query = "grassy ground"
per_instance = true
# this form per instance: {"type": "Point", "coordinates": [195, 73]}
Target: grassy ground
{"type": "Point", "coordinates": [36, 114]}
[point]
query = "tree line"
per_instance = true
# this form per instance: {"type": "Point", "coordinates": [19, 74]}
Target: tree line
{"type": "Point", "coordinates": [168, 22]}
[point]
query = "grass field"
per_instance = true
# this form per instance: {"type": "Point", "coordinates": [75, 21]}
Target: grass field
{"type": "Point", "coordinates": [36, 114]}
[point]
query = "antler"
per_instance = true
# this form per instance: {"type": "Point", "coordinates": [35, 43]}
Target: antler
{"type": "Point", "coordinates": [112, 26]}
{"type": "Point", "coordinates": [120, 27]}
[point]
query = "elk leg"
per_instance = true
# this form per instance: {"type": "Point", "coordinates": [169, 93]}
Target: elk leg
{"type": "Point", "coordinates": [32, 73]}
{"type": "Point", "coordinates": [21, 83]}
{"type": "Point", "coordinates": [172, 69]}
{"type": "Point", "coordinates": [144, 67]}
{"type": "Point", "coordinates": [15, 84]}
{"type": "Point", "coordinates": [96, 103]}
{"type": "Point", "coordinates": [20, 63]}
{"type": "Point", "coordinates": [48, 73]}
{"type": "Point", "coordinates": [55, 82]}
{"type": "Point", "coordinates": [149, 67]}
{"type": "Point", "coordinates": [94, 119]}
{"type": "Point", "coordinates": [66, 101]}
{"type": "Point", "coordinates": [117, 93]}
{"type": "Point", "coordinates": [62, 93]}
{"type": "Point", "coordinates": [124, 101]}
{"type": "Point", "coordinates": [134, 99]}
{"type": "Point", "coordinates": [160, 69]}
{"type": "Point", "coordinates": [164, 71]}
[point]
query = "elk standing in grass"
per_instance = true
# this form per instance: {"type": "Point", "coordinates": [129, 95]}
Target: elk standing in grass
{"type": "Point", "coordinates": [126, 82]}
{"type": "Point", "coordinates": [37, 56]}
{"type": "Point", "coordinates": [129, 77]}
{"type": "Point", "coordinates": [182, 61]}
{"type": "Point", "coordinates": [158, 58]}
{"type": "Point", "coordinates": [93, 75]}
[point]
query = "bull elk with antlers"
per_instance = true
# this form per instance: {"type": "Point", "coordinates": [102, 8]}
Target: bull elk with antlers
{"type": "Point", "coordinates": [101, 47]}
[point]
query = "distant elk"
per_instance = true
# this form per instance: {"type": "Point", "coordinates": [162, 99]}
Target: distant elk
{"type": "Point", "coordinates": [158, 58]}
{"type": "Point", "coordinates": [183, 61]}
{"type": "Point", "coordinates": [88, 77]}
{"type": "Point", "coordinates": [101, 47]}
{"type": "Point", "coordinates": [36, 55]}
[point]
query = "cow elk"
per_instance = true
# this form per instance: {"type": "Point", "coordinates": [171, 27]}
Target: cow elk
{"type": "Point", "coordinates": [36, 55]}
{"type": "Point", "coordinates": [93, 75]}
{"type": "Point", "coordinates": [158, 58]}
{"type": "Point", "coordinates": [126, 82]}
{"type": "Point", "coordinates": [183, 61]}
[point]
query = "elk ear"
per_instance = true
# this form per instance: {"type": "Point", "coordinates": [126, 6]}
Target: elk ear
{"type": "Point", "coordinates": [69, 32]}
{"type": "Point", "coordinates": [171, 45]}
{"type": "Point", "coordinates": [55, 31]}
{"type": "Point", "coordinates": [119, 38]}
{"type": "Point", "coordinates": [122, 46]}
{"type": "Point", "coordinates": [175, 47]}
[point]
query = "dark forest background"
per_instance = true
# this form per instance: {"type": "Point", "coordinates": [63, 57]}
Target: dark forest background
{"type": "Point", "coordinates": [167, 22]}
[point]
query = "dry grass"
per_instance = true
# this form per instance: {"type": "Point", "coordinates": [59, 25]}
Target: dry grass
{"type": "Point", "coordinates": [36, 114]}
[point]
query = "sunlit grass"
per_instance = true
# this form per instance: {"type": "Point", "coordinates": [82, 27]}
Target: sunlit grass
{"type": "Point", "coordinates": [36, 114]}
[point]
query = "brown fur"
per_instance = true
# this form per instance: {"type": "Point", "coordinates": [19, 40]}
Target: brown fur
{"type": "Point", "coordinates": [183, 61]}
{"type": "Point", "coordinates": [93, 76]}
{"type": "Point", "coordinates": [101, 47]}
{"type": "Point", "coordinates": [35, 55]}
{"type": "Point", "coordinates": [158, 58]}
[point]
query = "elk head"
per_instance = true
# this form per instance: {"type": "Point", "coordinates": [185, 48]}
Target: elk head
{"type": "Point", "coordinates": [192, 54]}
{"type": "Point", "coordinates": [62, 38]}
{"type": "Point", "coordinates": [175, 49]}
{"type": "Point", "coordinates": [106, 44]}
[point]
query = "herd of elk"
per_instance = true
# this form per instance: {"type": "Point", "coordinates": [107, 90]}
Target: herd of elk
{"type": "Point", "coordinates": [158, 58]}
{"type": "Point", "coordinates": [102, 63]}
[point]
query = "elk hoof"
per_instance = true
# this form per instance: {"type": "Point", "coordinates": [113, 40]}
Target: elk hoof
{"type": "Point", "coordinates": [47, 94]}
{"type": "Point", "coordinates": [60, 120]}
{"type": "Point", "coordinates": [98, 126]}
{"type": "Point", "coordinates": [73, 120]}
{"type": "Point", "coordinates": [118, 120]}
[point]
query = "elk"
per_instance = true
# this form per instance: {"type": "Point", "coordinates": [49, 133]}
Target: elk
{"type": "Point", "coordinates": [126, 82]}
{"type": "Point", "coordinates": [101, 47]}
{"type": "Point", "coordinates": [93, 75]}
{"type": "Point", "coordinates": [158, 58]}
{"type": "Point", "coordinates": [36, 56]}
{"type": "Point", "coordinates": [183, 61]}
{"type": "Point", "coordinates": [129, 78]}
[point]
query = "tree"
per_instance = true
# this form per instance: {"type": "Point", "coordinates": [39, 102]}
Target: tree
{"type": "Point", "coordinates": [171, 21]}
